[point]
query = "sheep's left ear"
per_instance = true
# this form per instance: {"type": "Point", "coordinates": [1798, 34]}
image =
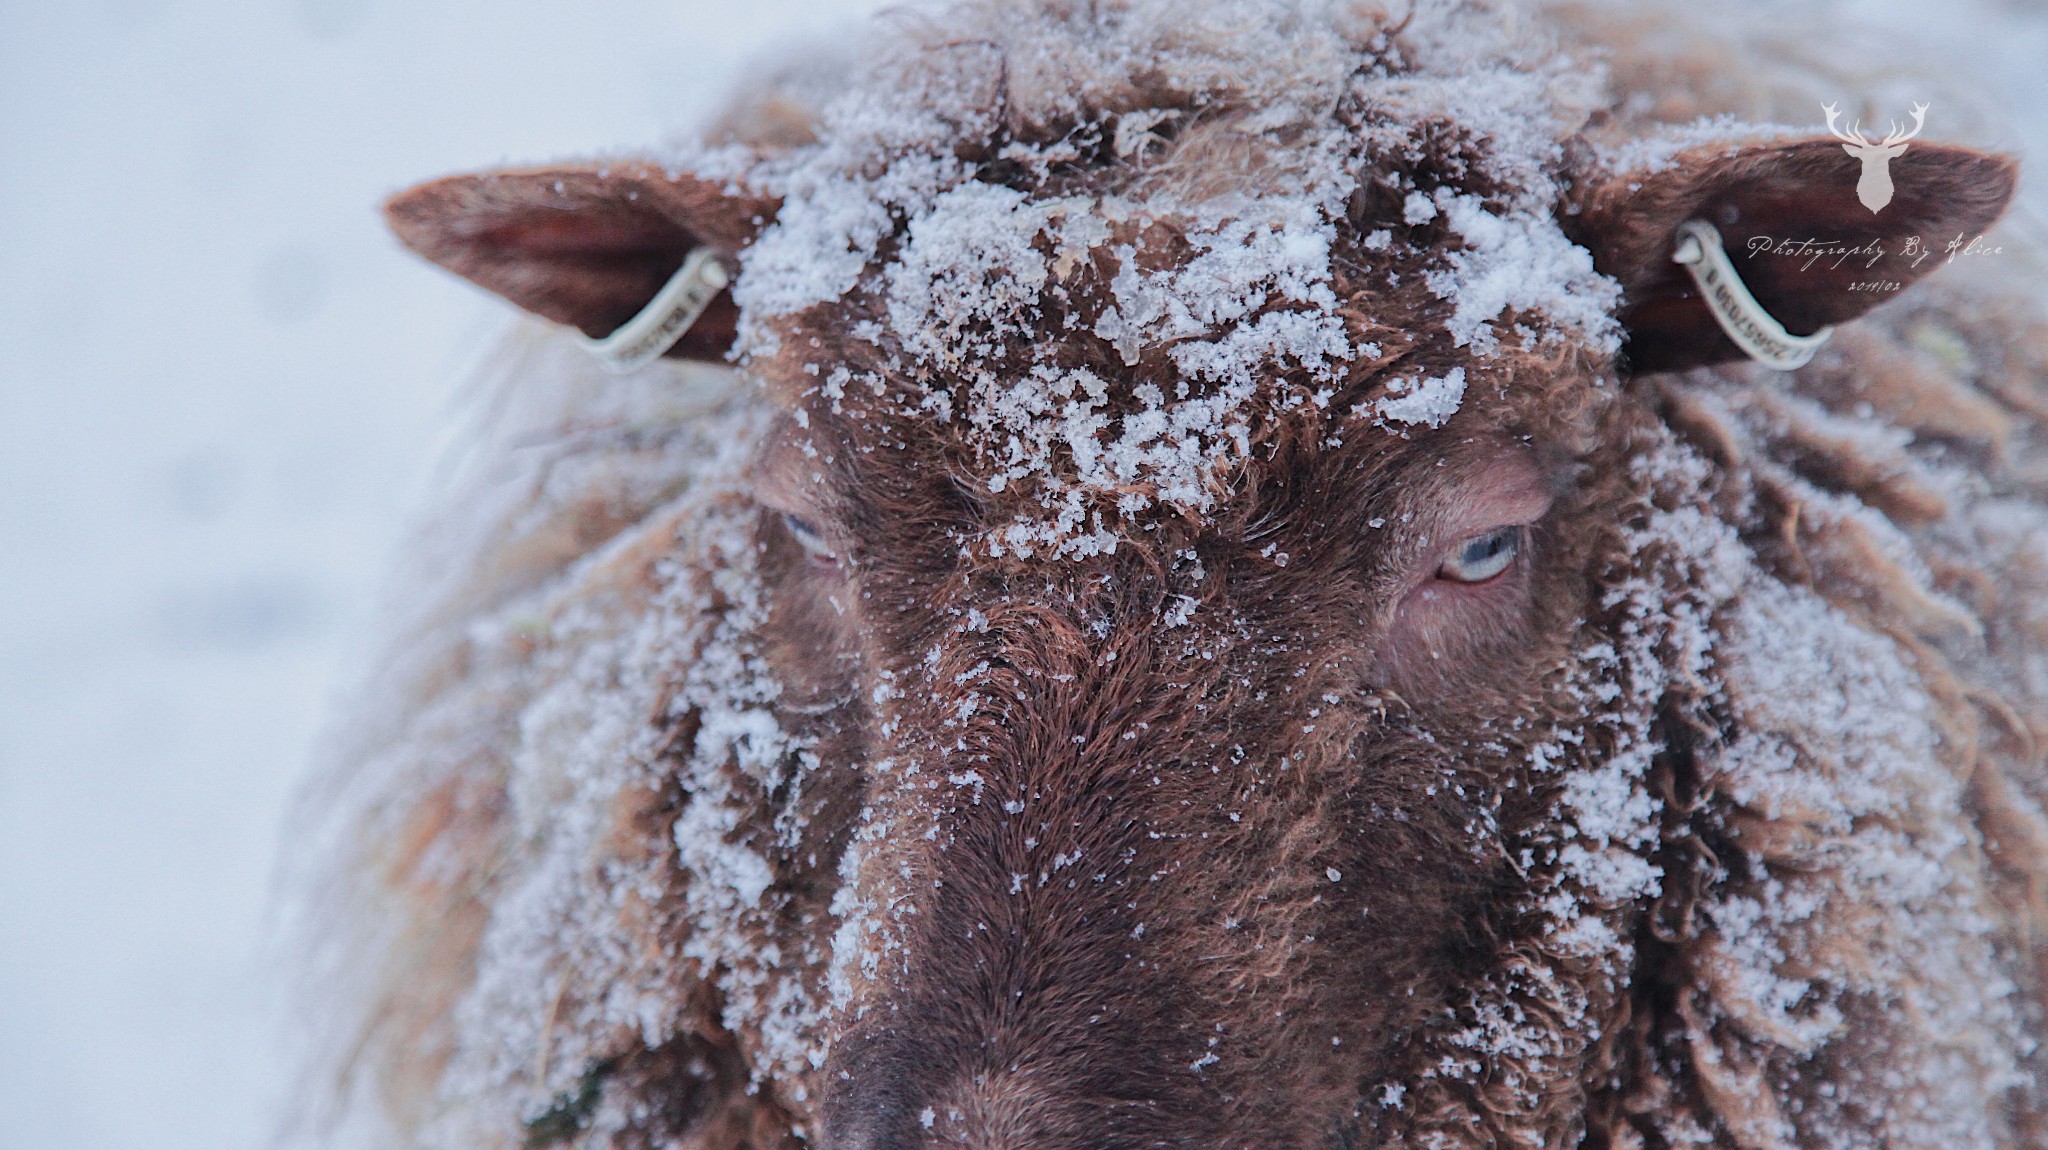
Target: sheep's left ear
{"type": "Point", "coordinates": [586, 245]}
{"type": "Point", "coordinates": [1766, 199]}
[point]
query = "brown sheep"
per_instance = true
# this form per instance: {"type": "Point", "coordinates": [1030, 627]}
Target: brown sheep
{"type": "Point", "coordinates": [1238, 598]}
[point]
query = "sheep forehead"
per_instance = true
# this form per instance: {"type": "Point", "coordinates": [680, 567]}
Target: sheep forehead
{"type": "Point", "coordinates": [1233, 145]}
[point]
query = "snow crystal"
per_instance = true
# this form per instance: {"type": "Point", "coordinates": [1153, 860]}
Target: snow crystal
{"type": "Point", "coordinates": [968, 277]}
{"type": "Point", "coordinates": [1521, 263]}
{"type": "Point", "coordinates": [1430, 401]}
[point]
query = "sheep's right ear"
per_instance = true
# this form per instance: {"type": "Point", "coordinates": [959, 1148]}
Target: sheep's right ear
{"type": "Point", "coordinates": [1767, 199]}
{"type": "Point", "coordinates": [584, 245]}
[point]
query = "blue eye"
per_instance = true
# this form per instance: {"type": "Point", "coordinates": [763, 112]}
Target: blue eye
{"type": "Point", "coordinates": [1483, 556]}
{"type": "Point", "coordinates": [810, 538]}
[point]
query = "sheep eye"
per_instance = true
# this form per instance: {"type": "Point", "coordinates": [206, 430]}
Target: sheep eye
{"type": "Point", "coordinates": [1483, 556]}
{"type": "Point", "coordinates": [810, 538]}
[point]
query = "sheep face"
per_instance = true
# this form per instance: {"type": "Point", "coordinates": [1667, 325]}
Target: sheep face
{"type": "Point", "coordinates": [1185, 840]}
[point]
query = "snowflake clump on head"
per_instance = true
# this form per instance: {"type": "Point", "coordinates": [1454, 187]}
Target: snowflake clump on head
{"type": "Point", "coordinates": [1008, 187]}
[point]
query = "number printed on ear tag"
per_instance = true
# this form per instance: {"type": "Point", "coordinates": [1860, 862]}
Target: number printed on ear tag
{"type": "Point", "coordinates": [1753, 329]}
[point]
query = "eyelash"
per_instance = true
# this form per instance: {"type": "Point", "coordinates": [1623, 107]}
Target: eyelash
{"type": "Point", "coordinates": [809, 538]}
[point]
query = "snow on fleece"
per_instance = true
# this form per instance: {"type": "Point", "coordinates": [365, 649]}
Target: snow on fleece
{"type": "Point", "coordinates": [971, 271]}
{"type": "Point", "coordinates": [977, 260]}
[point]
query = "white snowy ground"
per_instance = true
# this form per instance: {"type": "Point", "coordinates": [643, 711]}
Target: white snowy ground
{"type": "Point", "coordinates": [221, 389]}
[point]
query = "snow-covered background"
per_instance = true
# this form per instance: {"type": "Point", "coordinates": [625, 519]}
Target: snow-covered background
{"type": "Point", "coordinates": [221, 389]}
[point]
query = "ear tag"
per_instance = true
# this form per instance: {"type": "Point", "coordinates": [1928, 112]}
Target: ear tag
{"type": "Point", "coordinates": [1747, 323]}
{"type": "Point", "coordinates": [667, 317]}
